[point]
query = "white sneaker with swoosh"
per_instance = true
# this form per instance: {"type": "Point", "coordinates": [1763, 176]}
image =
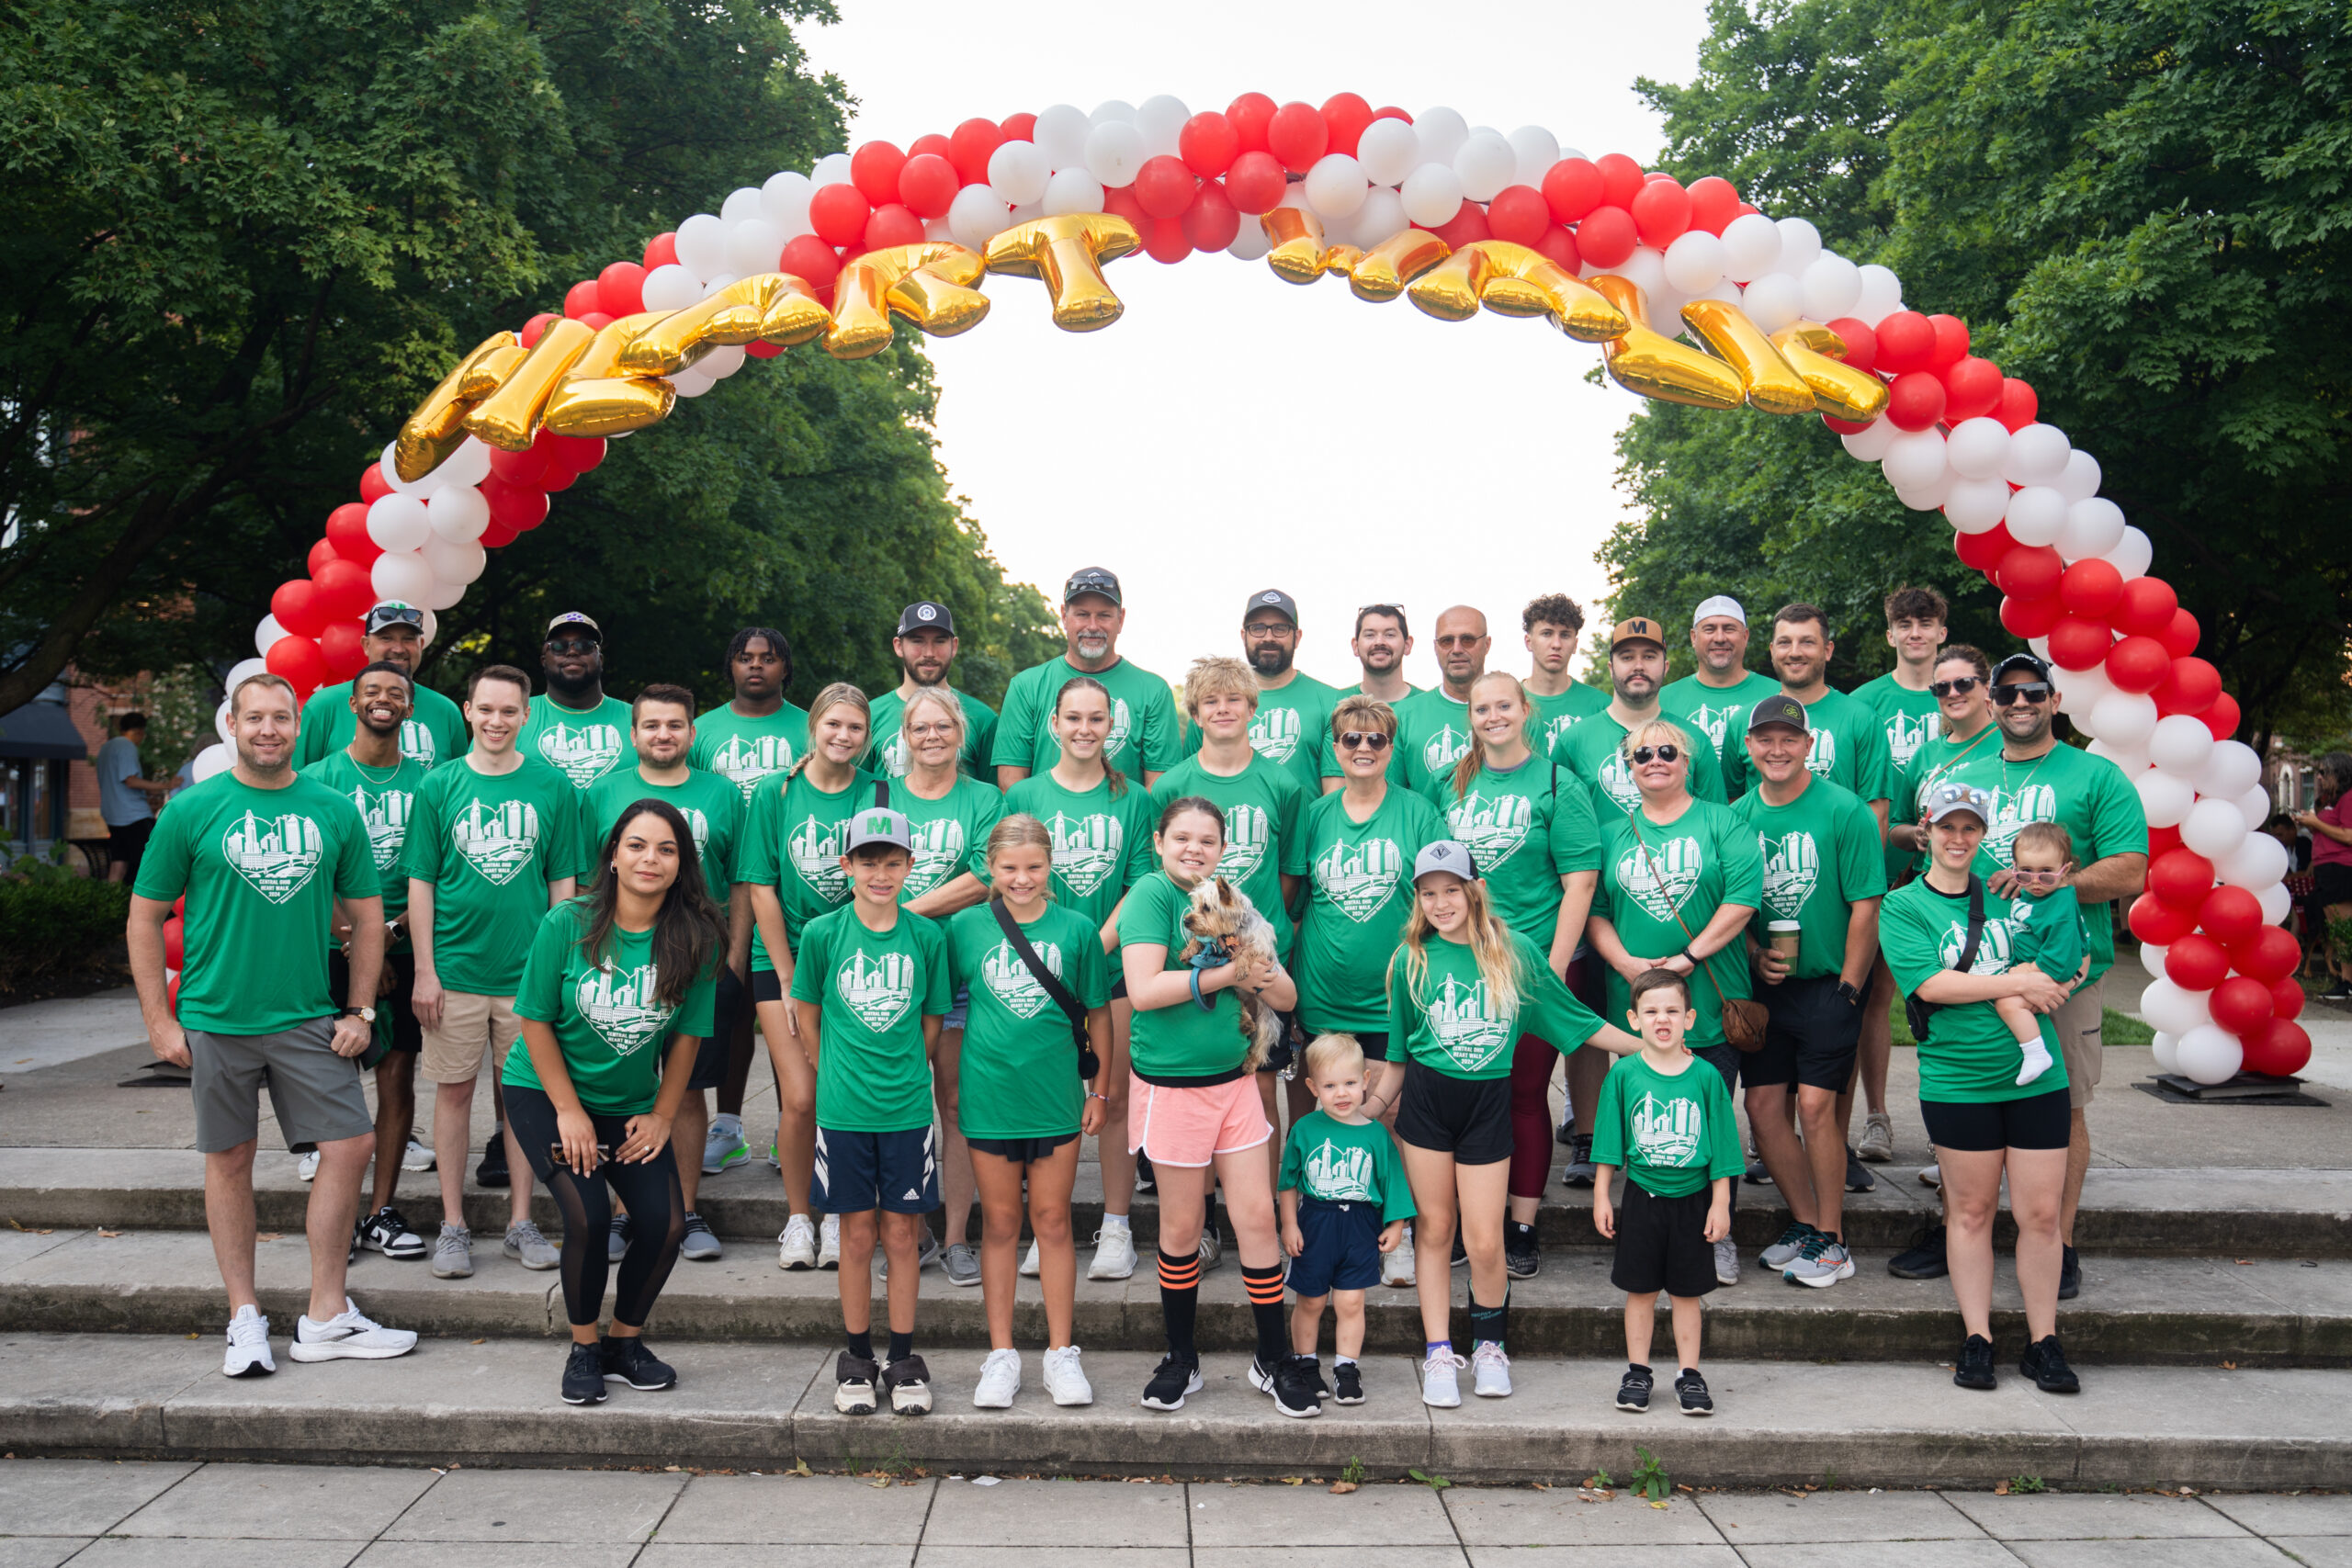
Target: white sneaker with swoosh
{"type": "Point", "coordinates": [348, 1335]}
{"type": "Point", "coordinates": [248, 1345]}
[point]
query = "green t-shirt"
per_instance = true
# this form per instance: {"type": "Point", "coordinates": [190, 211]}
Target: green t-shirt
{"type": "Point", "coordinates": [261, 869]}
{"type": "Point", "coordinates": [1525, 832]}
{"type": "Point", "coordinates": [951, 833]}
{"type": "Point", "coordinates": [433, 734]}
{"type": "Point", "coordinates": [2088, 796]}
{"type": "Point", "coordinates": [1693, 866]}
{"type": "Point", "coordinates": [491, 843]}
{"type": "Point", "coordinates": [1849, 747]}
{"type": "Point", "coordinates": [1929, 765]}
{"type": "Point", "coordinates": [1101, 842]}
{"type": "Point", "coordinates": [1449, 1022]}
{"type": "Point", "coordinates": [2049, 933]}
{"type": "Point", "coordinates": [1292, 729]}
{"type": "Point", "coordinates": [1017, 1074]}
{"type": "Point", "coordinates": [876, 988]}
{"type": "Point", "coordinates": [1912, 721]}
{"type": "Point", "coordinates": [712, 806]}
{"type": "Point", "coordinates": [1559, 714]}
{"type": "Point", "coordinates": [887, 756]}
{"type": "Point", "coordinates": [1346, 1162]}
{"type": "Point", "coordinates": [1186, 1041]}
{"type": "Point", "coordinates": [582, 744]}
{"type": "Point", "coordinates": [1720, 711]}
{"type": "Point", "coordinates": [1359, 893]}
{"type": "Point", "coordinates": [386, 799]}
{"type": "Point", "coordinates": [1432, 731]}
{"type": "Point", "coordinates": [1592, 748]}
{"type": "Point", "coordinates": [1969, 1055]}
{"type": "Point", "coordinates": [1671, 1134]}
{"type": "Point", "coordinates": [746, 751]}
{"type": "Point", "coordinates": [1145, 735]}
{"type": "Point", "coordinates": [1262, 804]}
{"type": "Point", "coordinates": [1821, 858]}
{"type": "Point", "coordinates": [612, 1031]}
{"type": "Point", "coordinates": [792, 842]}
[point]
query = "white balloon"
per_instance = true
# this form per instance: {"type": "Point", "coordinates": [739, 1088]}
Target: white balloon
{"type": "Point", "coordinates": [2134, 763]}
{"type": "Point", "coordinates": [210, 761]}
{"type": "Point", "coordinates": [1870, 444]}
{"type": "Point", "coordinates": [833, 169]}
{"type": "Point", "coordinates": [2181, 746]}
{"type": "Point", "coordinates": [2093, 527]}
{"type": "Point", "coordinates": [457, 512]}
{"type": "Point", "coordinates": [1072, 190]}
{"type": "Point", "coordinates": [2232, 769]}
{"type": "Point", "coordinates": [1932, 498]}
{"type": "Point", "coordinates": [266, 632]}
{"type": "Point", "coordinates": [1974, 507]}
{"type": "Point", "coordinates": [2164, 799]}
{"type": "Point", "coordinates": [1915, 460]}
{"type": "Point", "coordinates": [2132, 553]}
{"type": "Point", "coordinates": [2258, 862]}
{"type": "Point", "coordinates": [1645, 270]}
{"type": "Point", "coordinates": [784, 201]}
{"type": "Point", "coordinates": [1881, 294]}
{"type": "Point", "coordinates": [402, 574]}
{"type": "Point", "coordinates": [1832, 286]}
{"type": "Point", "coordinates": [2038, 455]}
{"type": "Point", "coordinates": [718, 283]}
{"type": "Point", "coordinates": [742, 203]}
{"type": "Point", "coordinates": [2081, 480]}
{"type": "Point", "coordinates": [2210, 1054]}
{"type": "Point", "coordinates": [398, 521]}
{"type": "Point", "coordinates": [1112, 110]}
{"type": "Point", "coordinates": [1161, 119]}
{"type": "Point", "coordinates": [2276, 903]}
{"type": "Point", "coordinates": [1484, 163]}
{"type": "Point", "coordinates": [1249, 242]}
{"type": "Point", "coordinates": [2213, 827]}
{"type": "Point", "coordinates": [701, 245]}
{"type": "Point", "coordinates": [2037, 515]}
{"type": "Point", "coordinates": [721, 362]}
{"type": "Point", "coordinates": [2125, 720]}
{"type": "Point", "coordinates": [1018, 172]}
{"type": "Point", "coordinates": [1295, 197]}
{"type": "Point", "coordinates": [454, 561]}
{"type": "Point", "coordinates": [444, 595]}
{"type": "Point", "coordinates": [469, 464]}
{"type": "Point", "coordinates": [1381, 215]}
{"type": "Point", "coordinates": [1335, 185]}
{"type": "Point", "coordinates": [2256, 807]}
{"type": "Point", "coordinates": [1976, 447]}
{"type": "Point", "coordinates": [2151, 957]}
{"type": "Point", "coordinates": [390, 469]}
{"type": "Point", "coordinates": [239, 671]}
{"type": "Point", "coordinates": [2039, 648]}
{"type": "Point", "coordinates": [1441, 132]}
{"type": "Point", "coordinates": [1774, 301]}
{"type": "Point", "coordinates": [1800, 246]}
{"type": "Point", "coordinates": [1388, 150]}
{"type": "Point", "coordinates": [1696, 261]}
{"type": "Point", "coordinates": [671, 287]}
{"type": "Point", "coordinates": [2083, 691]}
{"type": "Point", "coordinates": [1537, 150]}
{"type": "Point", "coordinates": [692, 383]}
{"type": "Point", "coordinates": [221, 715]}
{"type": "Point", "coordinates": [2165, 1047]}
{"type": "Point", "coordinates": [753, 246]}
{"type": "Point", "coordinates": [2170, 1006]}
{"type": "Point", "coordinates": [1753, 241]}
{"type": "Point", "coordinates": [1432, 194]}
{"type": "Point", "coordinates": [1060, 135]}
{"type": "Point", "coordinates": [1114, 151]}
{"type": "Point", "coordinates": [978, 215]}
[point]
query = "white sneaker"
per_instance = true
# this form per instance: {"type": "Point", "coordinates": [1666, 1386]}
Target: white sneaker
{"type": "Point", "coordinates": [1727, 1262]}
{"type": "Point", "coordinates": [248, 1345]}
{"type": "Point", "coordinates": [1064, 1379]}
{"type": "Point", "coordinates": [999, 1381]}
{"type": "Point", "coordinates": [1396, 1268]}
{"type": "Point", "coordinates": [1029, 1263]}
{"type": "Point", "coordinates": [305, 1167]}
{"type": "Point", "coordinates": [348, 1333]}
{"type": "Point", "coordinates": [828, 1243]}
{"type": "Point", "coordinates": [1492, 1370]}
{"type": "Point", "coordinates": [416, 1158]}
{"type": "Point", "coordinates": [797, 1247]}
{"type": "Point", "coordinates": [1876, 1145]}
{"type": "Point", "coordinates": [1440, 1387]}
{"type": "Point", "coordinates": [1115, 1254]}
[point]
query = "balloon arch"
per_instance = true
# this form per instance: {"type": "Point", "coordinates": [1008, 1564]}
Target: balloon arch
{"type": "Point", "coordinates": [1690, 294]}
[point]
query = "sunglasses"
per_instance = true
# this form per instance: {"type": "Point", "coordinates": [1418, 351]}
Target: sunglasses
{"type": "Point", "coordinates": [1644, 755]}
{"type": "Point", "coordinates": [1363, 740]}
{"type": "Point", "coordinates": [573, 645]}
{"type": "Point", "coordinates": [2025, 692]}
{"type": "Point", "coordinates": [1959, 688]}
{"type": "Point", "coordinates": [403, 616]}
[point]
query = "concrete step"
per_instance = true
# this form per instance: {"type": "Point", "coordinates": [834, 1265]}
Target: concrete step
{"type": "Point", "coordinates": [767, 1407]}
{"type": "Point", "coordinates": [2150, 1311]}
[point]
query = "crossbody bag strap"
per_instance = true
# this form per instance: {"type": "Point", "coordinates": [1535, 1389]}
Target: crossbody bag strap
{"type": "Point", "coordinates": [1976, 924]}
{"type": "Point", "coordinates": [1063, 997]}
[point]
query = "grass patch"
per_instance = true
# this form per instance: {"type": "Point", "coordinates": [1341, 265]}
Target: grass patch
{"type": "Point", "coordinates": [2114, 1027]}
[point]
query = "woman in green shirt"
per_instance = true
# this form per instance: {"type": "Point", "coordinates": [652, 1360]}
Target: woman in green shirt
{"type": "Point", "coordinates": [613, 978]}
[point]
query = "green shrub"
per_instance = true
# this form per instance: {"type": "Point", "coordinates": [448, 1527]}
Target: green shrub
{"type": "Point", "coordinates": [54, 925]}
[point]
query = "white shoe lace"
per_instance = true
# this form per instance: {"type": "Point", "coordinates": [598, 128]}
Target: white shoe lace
{"type": "Point", "coordinates": [1444, 1360]}
{"type": "Point", "coordinates": [248, 1332]}
{"type": "Point", "coordinates": [1489, 1354]}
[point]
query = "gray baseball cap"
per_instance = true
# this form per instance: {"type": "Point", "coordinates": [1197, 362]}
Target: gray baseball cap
{"type": "Point", "coordinates": [1946, 798]}
{"type": "Point", "coordinates": [877, 825]}
{"type": "Point", "coordinates": [1446, 854]}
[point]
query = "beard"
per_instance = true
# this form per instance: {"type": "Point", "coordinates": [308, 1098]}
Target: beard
{"type": "Point", "coordinates": [1269, 659]}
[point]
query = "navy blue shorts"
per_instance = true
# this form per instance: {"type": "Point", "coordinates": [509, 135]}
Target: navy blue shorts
{"type": "Point", "coordinates": [1342, 1251]}
{"type": "Point", "coordinates": [897, 1172]}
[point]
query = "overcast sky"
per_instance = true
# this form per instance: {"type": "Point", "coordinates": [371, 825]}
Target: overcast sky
{"type": "Point", "coordinates": [1233, 432]}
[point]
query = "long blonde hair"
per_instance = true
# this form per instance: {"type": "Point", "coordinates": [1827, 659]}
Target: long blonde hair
{"type": "Point", "coordinates": [938, 697]}
{"type": "Point", "coordinates": [840, 692]}
{"type": "Point", "coordinates": [1491, 943]}
{"type": "Point", "coordinates": [1474, 757]}
{"type": "Point", "coordinates": [1117, 779]}
{"type": "Point", "coordinates": [1019, 830]}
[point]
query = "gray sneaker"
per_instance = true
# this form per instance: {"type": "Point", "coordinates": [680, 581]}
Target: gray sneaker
{"type": "Point", "coordinates": [525, 1243]}
{"type": "Point", "coordinates": [453, 1253]}
{"type": "Point", "coordinates": [1727, 1262]}
{"type": "Point", "coordinates": [961, 1264]}
{"type": "Point", "coordinates": [1784, 1251]}
{"type": "Point", "coordinates": [616, 1239]}
{"type": "Point", "coordinates": [699, 1245]}
{"type": "Point", "coordinates": [1822, 1264]}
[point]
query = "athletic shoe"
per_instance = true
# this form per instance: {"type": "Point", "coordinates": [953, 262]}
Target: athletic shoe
{"type": "Point", "coordinates": [416, 1156]}
{"type": "Point", "coordinates": [306, 1165]}
{"type": "Point", "coordinates": [1347, 1383]}
{"type": "Point", "coordinates": [796, 1244]}
{"type": "Point", "coordinates": [1565, 1131]}
{"type": "Point", "coordinates": [853, 1384]}
{"type": "Point", "coordinates": [1146, 1179]}
{"type": "Point", "coordinates": [525, 1243]}
{"type": "Point", "coordinates": [492, 1171]}
{"type": "Point", "coordinates": [1924, 1258]}
{"type": "Point", "coordinates": [721, 1148]}
{"type": "Point", "coordinates": [616, 1239]}
{"type": "Point", "coordinates": [1212, 1247]}
{"type": "Point", "coordinates": [1029, 1260]}
{"type": "Point", "coordinates": [1175, 1377]}
{"type": "Point", "coordinates": [2339, 994]}
{"type": "Point", "coordinates": [1878, 1138]}
{"type": "Point", "coordinates": [961, 1264]}
{"type": "Point", "coordinates": [1115, 1254]}
{"type": "Point", "coordinates": [1261, 1376]}
{"type": "Point", "coordinates": [2045, 1363]}
{"type": "Point", "coordinates": [583, 1375]}
{"type": "Point", "coordinates": [1523, 1258]}
{"type": "Point", "coordinates": [628, 1360]}
{"type": "Point", "coordinates": [926, 1252]}
{"type": "Point", "coordinates": [349, 1334]}
{"type": "Point", "coordinates": [1580, 1170]}
{"type": "Point", "coordinates": [387, 1233]}
{"type": "Point", "coordinates": [909, 1384]}
{"type": "Point", "coordinates": [2070, 1274]}
{"type": "Point", "coordinates": [1975, 1367]}
{"type": "Point", "coordinates": [1727, 1262]}
{"type": "Point", "coordinates": [1633, 1388]}
{"type": "Point", "coordinates": [1461, 1258]}
{"type": "Point", "coordinates": [248, 1354]}
{"type": "Point", "coordinates": [453, 1253]}
{"type": "Point", "coordinates": [1294, 1387]}
{"type": "Point", "coordinates": [999, 1381]}
{"type": "Point", "coordinates": [1064, 1379]}
{"type": "Point", "coordinates": [1691, 1390]}
{"type": "Point", "coordinates": [774, 1162]}
{"type": "Point", "coordinates": [1858, 1179]}
{"type": "Point", "coordinates": [1783, 1251]}
{"type": "Point", "coordinates": [1396, 1268]}
{"type": "Point", "coordinates": [1758, 1172]}
{"type": "Point", "coordinates": [1490, 1371]}
{"type": "Point", "coordinates": [1440, 1387]}
{"type": "Point", "coordinates": [1822, 1264]}
{"type": "Point", "coordinates": [698, 1245]}
{"type": "Point", "coordinates": [828, 1243]}
{"type": "Point", "coordinates": [1932, 1176]}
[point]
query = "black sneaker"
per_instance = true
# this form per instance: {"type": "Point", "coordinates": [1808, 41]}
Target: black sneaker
{"type": "Point", "coordinates": [389, 1234]}
{"type": "Point", "coordinates": [1294, 1387]}
{"type": "Point", "coordinates": [1858, 1176]}
{"type": "Point", "coordinates": [492, 1171]}
{"type": "Point", "coordinates": [1146, 1180]}
{"type": "Point", "coordinates": [1691, 1390]}
{"type": "Point", "coordinates": [1175, 1377]}
{"type": "Point", "coordinates": [1347, 1381]}
{"type": "Point", "coordinates": [1758, 1172]}
{"type": "Point", "coordinates": [583, 1375]}
{"type": "Point", "coordinates": [616, 1239]}
{"type": "Point", "coordinates": [1924, 1258]}
{"type": "Point", "coordinates": [1566, 1132]}
{"type": "Point", "coordinates": [1975, 1367]}
{"type": "Point", "coordinates": [2339, 993]}
{"type": "Point", "coordinates": [628, 1360]}
{"type": "Point", "coordinates": [1460, 1256]}
{"type": "Point", "coordinates": [2045, 1363]}
{"type": "Point", "coordinates": [2070, 1274]}
{"type": "Point", "coordinates": [909, 1383]}
{"type": "Point", "coordinates": [1523, 1259]}
{"type": "Point", "coordinates": [1579, 1171]}
{"type": "Point", "coordinates": [853, 1379]}
{"type": "Point", "coordinates": [1315, 1376]}
{"type": "Point", "coordinates": [1633, 1388]}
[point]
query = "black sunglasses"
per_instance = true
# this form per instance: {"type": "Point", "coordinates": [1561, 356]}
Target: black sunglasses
{"type": "Point", "coordinates": [405, 615]}
{"type": "Point", "coordinates": [1363, 740]}
{"type": "Point", "coordinates": [573, 645]}
{"type": "Point", "coordinates": [1644, 754]}
{"type": "Point", "coordinates": [1959, 688]}
{"type": "Point", "coordinates": [2006, 695]}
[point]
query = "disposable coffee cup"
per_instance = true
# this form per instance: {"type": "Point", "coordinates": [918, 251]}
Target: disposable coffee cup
{"type": "Point", "coordinates": [1784, 936]}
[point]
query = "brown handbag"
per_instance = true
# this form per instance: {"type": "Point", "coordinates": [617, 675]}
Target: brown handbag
{"type": "Point", "coordinates": [1743, 1017]}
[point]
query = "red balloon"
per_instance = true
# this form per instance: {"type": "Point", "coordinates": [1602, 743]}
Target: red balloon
{"type": "Point", "coordinates": [1906, 343]}
{"type": "Point", "coordinates": [2287, 998]}
{"type": "Point", "coordinates": [1164, 186]}
{"type": "Point", "coordinates": [1255, 183]}
{"type": "Point", "coordinates": [971, 146]}
{"type": "Point", "coordinates": [1621, 179]}
{"type": "Point", "coordinates": [1607, 236]}
{"type": "Point", "coordinates": [1714, 202]}
{"type": "Point", "coordinates": [661, 251]}
{"type": "Point", "coordinates": [1572, 185]}
{"type": "Point", "coordinates": [497, 536]}
{"type": "Point", "coordinates": [1519, 214]}
{"type": "Point", "coordinates": [2146, 607]}
{"type": "Point", "coordinates": [1861, 343]}
{"type": "Point", "coordinates": [2138, 664]}
{"type": "Point", "coordinates": [2162, 842]}
{"type": "Point", "coordinates": [2091, 588]}
{"type": "Point", "coordinates": [1662, 213]}
{"type": "Point", "coordinates": [2153, 920]}
{"type": "Point", "coordinates": [1983, 551]}
{"type": "Point", "coordinates": [1391, 111]}
{"type": "Point", "coordinates": [2222, 717]}
{"type": "Point", "coordinates": [1019, 127]}
{"type": "Point", "coordinates": [2180, 877]}
{"type": "Point", "coordinates": [1972, 388]}
{"type": "Point", "coordinates": [347, 528]}
{"type": "Point", "coordinates": [766, 350]}
{"type": "Point", "coordinates": [1120, 201]}
{"type": "Point", "coordinates": [1951, 342]}
{"type": "Point", "coordinates": [533, 329]}
{"type": "Point", "coordinates": [1250, 115]}
{"type": "Point", "coordinates": [299, 608]}
{"type": "Point", "coordinates": [524, 470]}
{"type": "Point", "coordinates": [2190, 685]}
{"type": "Point", "coordinates": [175, 944]}
{"type": "Point", "coordinates": [1297, 135]}
{"type": "Point", "coordinates": [2031, 572]}
{"type": "Point", "coordinates": [373, 486]}
{"type": "Point", "coordinates": [340, 645]}
{"type": "Point", "coordinates": [2078, 642]}
{"type": "Point", "coordinates": [2270, 956]}
{"type": "Point", "coordinates": [1853, 427]}
{"type": "Point", "coordinates": [2026, 617]}
{"type": "Point", "coordinates": [811, 260]}
{"type": "Point", "coordinates": [581, 298]}
{"type": "Point", "coordinates": [519, 510]}
{"type": "Point", "coordinates": [596, 321]}
{"type": "Point", "coordinates": [2240, 1004]}
{"type": "Point", "coordinates": [1466, 227]}
{"type": "Point", "coordinates": [1558, 245]}
{"type": "Point", "coordinates": [298, 661]}
{"type": "Point", "coordinates": [838, 214]}
{"type": "Point", "coordinates": [892, 225]}
{"type": "Point", "coordinates": [2019, 406]}
{"type": "Point", "coordinates": [1344, 116]}
{"type": "Point", "coordinates": [927, 184]}
{"type": "Point", "coordinates": [1916, 400]}
{"type": "Point", "coordinates": [2180, 637]}
{"type": "Point", "coordinates": [2196, 963]}
{"type": "Point", "coordinates": [1211, 221]}
{"type": "Point", "coordinates": [1208, 144]}
{"type": "Point", "coordinates": [1164, 241]}
{"type": "Point", "coordinates": [620, 289]}
{"type": "Point", "coordinates": [342, 587]}
{"type": "Point", "coordinates": [874, 170]}
{"type": "Point", "coordinates": [577, 453]}
{"type": "Point", "coordinates": [934, 145]}
{"type": "Point", "coordinates": [321, 553]}
{"type": "Point", "coordinates": [2282, 1050]}
{"type": "Point", "coordinates": [2230, 915]}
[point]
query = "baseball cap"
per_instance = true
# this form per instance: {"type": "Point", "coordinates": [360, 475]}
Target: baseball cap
{"type": "Point", "coordinates": [1270, 599]}
{"type": "Point", "coordinates": [926, 615]}
{"type": "Point", "coordinates": [576, 618]}
{"type": "Point", "coordinates": [395, 612]}
{"type": "Point", "coordinates": [1637, 628]}
{"type": "Point", "coordinates": [877, 825]}
{"type": "Point", "coordinates": [1446, 854]}
{"type": "Point", "coordinates": [1720, 604]}
{"type": "Point", "coordinates": [1778, 708]}
{"type": "Point", "coordinates": [1094, 580]}
{"type": "Point", "coordinates": [1946, 798]}
{"type": "Point", "coordinates": [2032, 666]}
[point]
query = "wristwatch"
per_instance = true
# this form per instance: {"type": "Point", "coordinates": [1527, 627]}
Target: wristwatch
{"type": "Point", "coordinates": [1849, 995]}
{"type": "Point", "coordinates": [364, 1015]}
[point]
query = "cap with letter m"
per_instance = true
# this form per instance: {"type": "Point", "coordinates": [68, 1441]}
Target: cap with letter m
{"type": "Point", "coordinates": [926, 615]}
{"type": "Point", "coordinates": [877, 825]}
{"type": "Point", "coordinates": [1637, 628]}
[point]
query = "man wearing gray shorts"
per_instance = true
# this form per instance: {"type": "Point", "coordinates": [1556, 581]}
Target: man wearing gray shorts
{"type": "Point", "coordinates": [262, 856]}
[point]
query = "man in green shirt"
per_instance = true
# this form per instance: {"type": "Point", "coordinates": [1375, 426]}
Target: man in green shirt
{"type": "Point", "coordinates": [1292, 728]}
{"type": "Point", "coordinates": [573, 727]}
{"type": "Point", "coordinates": [1382, 639]}
{"type": "Point", "coordinates": [1553, 624]}
{"type": "Point", "coordinates": [926, 644]}
{"type": "Point", "coordinates": [1146, 737]}
{"type": "Point", "coordinates": [1590, 747]}
{"type": "Point", "coordinates": [1848, 742]}
{"type": "Point", "coordinates": [434, 730]}
{"type": "Point", "coordinates": [1433, 726]}
{"type": "Point", "coordinates": [1716, 697]}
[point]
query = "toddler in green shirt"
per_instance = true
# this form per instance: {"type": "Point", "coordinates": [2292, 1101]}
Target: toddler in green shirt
{"type": "Point", "coordinates": [2046, 929]}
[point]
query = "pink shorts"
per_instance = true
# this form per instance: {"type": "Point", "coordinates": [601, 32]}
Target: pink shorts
{"type": "Point", "coordinates": [1183, 1127]}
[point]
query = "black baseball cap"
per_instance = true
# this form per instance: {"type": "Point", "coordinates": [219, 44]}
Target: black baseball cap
{"type": "Point", "coordinates": [1778, 708]}
{"type": "Point", "coordinates": [2032, 666]}
{"type": "Point", "coordinates": [576, 618]}
{"type": "Point", "coordinates": [1094, 580]}
{"type": "Point", "coordinates": [1272, 599]}
{"type": "Point", "coordinates": [926, 615]}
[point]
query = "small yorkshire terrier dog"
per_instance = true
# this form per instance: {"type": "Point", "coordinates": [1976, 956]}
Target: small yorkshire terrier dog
{"type": "Point", "coordinates": [1222, 920]}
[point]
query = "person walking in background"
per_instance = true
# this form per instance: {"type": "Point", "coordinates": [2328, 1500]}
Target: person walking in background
{"type": "Point", "coordinates": [573, 727]}
{"type": "Point", "coordinates": [1144, 738]}
{"type": "Point", "coordinates": [2330, 898]}
{"type": "Point", "coordinates": [926, 645]}
{"type": "Point", "coordinates": [127, 797]}
{"type": "Point", "coordinates": [1714, 698]}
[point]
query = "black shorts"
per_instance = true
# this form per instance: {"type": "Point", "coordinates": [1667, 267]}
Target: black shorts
{"type": "Point", "coordinates": [2035, 1121]}
{"type": "Point", "coordinates": [399, 1007]}
{"type": "Point", "coordinates": [1374, 1043]}
{"type": "Point", "coordinates": [128, 842]}
{"type": "Point", "coordinates": [1119, 986]}
{"type": "Point", "coordinates": [1342, 1251]}
{"type": "Point", "coordinates": [2331, 884]}
{"type": "Point", "coordinates": [767, 985]}
{"type": "Point", "coordinates": [1662, 1244]}
{"type": "Point", "coordinates": [732, 998]}
{"type": "Point", "coordinates": [1020, 1151]}
{"type": "Point", "coordinates": [1811, 1036]}
{"type": "Point", "coordinates": [1467, 1117]}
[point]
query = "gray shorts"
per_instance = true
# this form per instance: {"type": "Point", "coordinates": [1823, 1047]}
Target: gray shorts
{"type": "Point", "coordinates": [2081, 1041]}
{"type": "Point", "coordinates": [314, 1093]}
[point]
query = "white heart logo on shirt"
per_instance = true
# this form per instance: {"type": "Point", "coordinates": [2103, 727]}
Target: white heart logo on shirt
{"type": "Point", "coordinates": [1274, 734]}
{"type": "Point", "coordinates": [618, 1005]}
{"type": "Point", "coordinates": [585, 752]}
{"type": "Point", "coordinates": [386, 812]}
{"type": "Point", "coordinates": [748, 759]}
{"type": "Point", "coordinates": [1661, 877]}
{"type": "Point", "coordinates": [1492, 825]}
{"type": "Point", "coordinates": [1087, 849]}
{"type": "Point", "coordinates": [939, 845]}
{"type": "Point", "coordinates": [498, 839]}
{"type": "Point", "coordinates": [275, 855]}
{"type": "Point", "coordinates": [1791, 870]}
{"type": "Point", "coordinates": [877, 991]}
{"type": "Point", "coordinates": [1246, 837]}
{"type": "Point", "coordinates": [1010, 982]}
{"type": "Point", "coordinates": [1464, 1023]}
{"type": "Point", "coordinates": [1360, 878]}
{"type": "Point", "coordinates": [816, 851]}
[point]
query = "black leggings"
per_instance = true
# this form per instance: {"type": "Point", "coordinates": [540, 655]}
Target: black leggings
{"type": "Point", "coordinates": [657, 1211]}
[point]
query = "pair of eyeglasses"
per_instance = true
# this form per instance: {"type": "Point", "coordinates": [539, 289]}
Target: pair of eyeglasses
{"type": "Point", "coordinates": [1275, 628]}
{"type": "Point", "coordinates": [571, 644]}
{"type": "Point", "coordinates": [1363, 740]}
{"type": "Point", "coordinates": [1959, 688]}
{"type": "Point", "coordinates": [1644, 755]}
{"type": "Point", "coordinates": [2023, 692]}
{"type": "Point", "coordinates": [936, 727]}
{"type": "Point", "coordinates": [1459, 639]}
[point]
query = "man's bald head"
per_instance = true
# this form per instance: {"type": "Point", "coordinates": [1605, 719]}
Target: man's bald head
{"type": "Point", "coordinates": [1462, 645]}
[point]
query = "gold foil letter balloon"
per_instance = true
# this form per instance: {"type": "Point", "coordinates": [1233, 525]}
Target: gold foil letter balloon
{"type": "Point", "coordinates": [1654, 364]}
{"type": "Point", "coordinates": [428, 436]}
{"type": "Point", "coordinates": [591, 400]}
{"type": "Point", "coordinates": [1066, 253]}
{"type": "Point", "coordinates": [768, 306]}
{"type": "Point", "coordinates": [931, 285]}
{"type": "Point", "coordinates": [1770, 384]}
{"type": "Point", "coordinates": [1842, 391]}
{"type": "Point", "coordinates": [509, 417]}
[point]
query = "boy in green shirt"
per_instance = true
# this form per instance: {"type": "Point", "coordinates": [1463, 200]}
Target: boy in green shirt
{"type": "Point", "coordinates": [2046, 929]}
{"type": "Point", "coordinates": [1673, 1130]}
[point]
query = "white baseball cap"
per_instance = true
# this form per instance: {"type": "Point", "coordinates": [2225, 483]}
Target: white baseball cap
{"type": "Point", "coordinates": [1720, 604]}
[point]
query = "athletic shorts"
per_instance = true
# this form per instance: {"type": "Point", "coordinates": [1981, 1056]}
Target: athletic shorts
{"type": "Point", "coordinates": [766, 986]}
{"type": "Point", "coordinates": [2036, 1122]}
{"type": "Point", "coordinates": [1342, 1251]}
{"type": "Point", "coordinates": [2078, 1024]}
{"type": "Point", "coordinates": [1020, 1151]}
{"type": "Point", "coordinates": [1467, 1117]}
{"type": "Point", "coordinates": [1374, 1043]}
{"type": "Point", "coordinates": [1811, 1037]}
{"type": "Point", "coordinates": [127, 841]}
{"type": "Point", "coordinates": [1662, 1243]}
{"type": "Point", "coordinates": [470, 1026]}
{"type": "Point", "coordinates": [731, 997]}
{"type": "Point", "coordinates": [314, 1093]}
{"type": "Point", "coordinates": [1188, 1126]}
{"type": "Point", "coordinates": [896, 1172]}
{"type": "Point", "coordinates": [958, 1010]}
{"type": "Point", "coordinates": [2331, 886]}
{"type": "Point", "coordinates": [397, 1007]}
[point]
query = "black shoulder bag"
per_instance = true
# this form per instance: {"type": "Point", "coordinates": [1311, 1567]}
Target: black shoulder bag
{"type": "Point", "coordinates": [1063, 997]}
{"type": "Point", "coordinates": [1919, 1014]}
